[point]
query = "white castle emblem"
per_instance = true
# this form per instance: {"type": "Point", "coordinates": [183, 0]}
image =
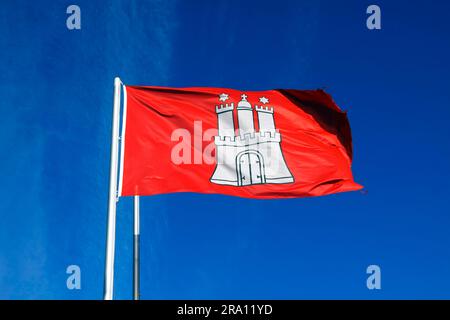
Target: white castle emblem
{"type": "Point", "coordinates": [249, 157]}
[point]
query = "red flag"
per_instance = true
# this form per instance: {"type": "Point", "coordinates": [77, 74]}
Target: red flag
{"type": "Point", "coordinates": [255, 144]}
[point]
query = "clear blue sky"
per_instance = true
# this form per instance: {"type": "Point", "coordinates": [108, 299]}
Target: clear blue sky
{"type": "Point", "coordinates": [56, 99]}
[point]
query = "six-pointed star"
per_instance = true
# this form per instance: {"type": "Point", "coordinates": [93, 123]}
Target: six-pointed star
{"type": "Point", "coordinates": [223, 97]}
{"type": "Point", "coordinates": [263, 100]}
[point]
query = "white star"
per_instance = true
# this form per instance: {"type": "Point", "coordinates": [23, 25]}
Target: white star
{"type": "Point", "coordinates": [263, 100]}
{"type": "Point", "coordinates": [223, 97]}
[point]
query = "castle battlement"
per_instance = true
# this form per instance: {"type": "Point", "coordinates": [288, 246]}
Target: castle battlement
{"type": "Point", "coordinates": [268, 134]}
{"type": "Point", "coordinates": [264, 109]}
{"type": "Point", "coordinates": [225, 138]}
{"type": "Point", "coordinates": [248, 139]}
{"type": "Point", "coordinates": [247, 136]}
{"type": "Point", "coordinates": [224, 108]}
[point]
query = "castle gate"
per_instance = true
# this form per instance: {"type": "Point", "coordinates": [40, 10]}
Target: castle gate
{"type": "Point", "coordinates": [250, 168]}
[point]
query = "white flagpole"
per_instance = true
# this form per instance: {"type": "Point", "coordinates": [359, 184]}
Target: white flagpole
{"type": "Point", "coordinates": [111, 233]}
{"type": "Point", "coordinates": [136, 258]}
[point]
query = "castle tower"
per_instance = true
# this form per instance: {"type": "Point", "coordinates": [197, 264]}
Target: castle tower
{"type": "Point", "coordinates": [245, 116]}
{"type": "Point", "coordinates": [265, 119]}
{"type": "Point", "coordinates": [225, 120]}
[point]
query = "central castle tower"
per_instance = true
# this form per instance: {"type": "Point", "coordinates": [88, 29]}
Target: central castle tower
{"type": "Point", "coordinates": [249, 157]}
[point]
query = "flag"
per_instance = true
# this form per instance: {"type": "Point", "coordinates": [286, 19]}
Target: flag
{"type": "Point", "coordinates": [254, 144]}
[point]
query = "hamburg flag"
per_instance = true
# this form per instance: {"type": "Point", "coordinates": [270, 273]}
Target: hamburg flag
{"type": "Point", "coordinates": [254, 144]}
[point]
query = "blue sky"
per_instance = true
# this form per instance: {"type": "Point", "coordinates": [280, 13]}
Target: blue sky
{"type": "Point", "coordinates": [56, 89]}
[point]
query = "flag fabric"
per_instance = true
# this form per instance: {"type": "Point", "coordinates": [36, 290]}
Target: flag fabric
{"type": "Point", "coordinates": [254, 144]}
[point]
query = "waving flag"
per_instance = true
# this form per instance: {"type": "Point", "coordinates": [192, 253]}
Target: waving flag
{"type": "Point", "coordinates": [255, 144]}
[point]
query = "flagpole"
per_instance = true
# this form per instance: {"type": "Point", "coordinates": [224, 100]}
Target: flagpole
{"type": "Point", "coordinates": [112, 201]}
{"type": "Point", "coordinates": [136, 256]}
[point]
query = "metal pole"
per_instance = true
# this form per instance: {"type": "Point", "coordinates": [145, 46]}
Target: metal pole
{"type": "Point", "coordinates": [136, 258]}
{"type": "Point", "coordinates": [111, 233]}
